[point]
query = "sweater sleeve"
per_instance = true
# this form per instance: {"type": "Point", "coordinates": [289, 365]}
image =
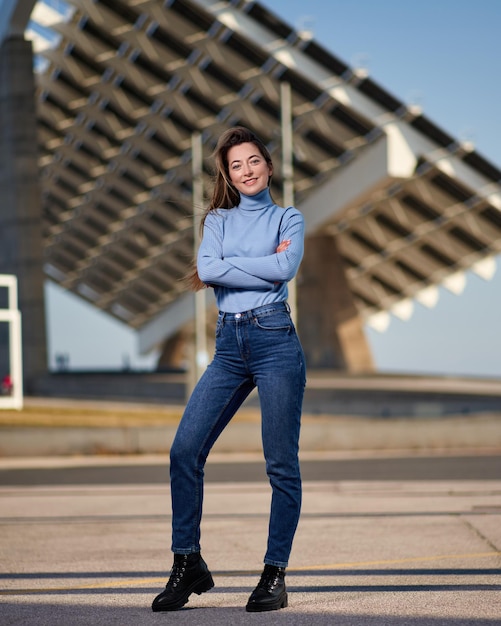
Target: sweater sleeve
{"type": "Point", "coordinates": [280, 266]}
{"type": "Point", "coordinates": [214, 270]}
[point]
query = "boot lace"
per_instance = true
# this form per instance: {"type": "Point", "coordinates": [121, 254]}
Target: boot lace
{"type": "Point", "coordinates": [270, 578]}
{"type": "Point", "coordinates": [177, 573]}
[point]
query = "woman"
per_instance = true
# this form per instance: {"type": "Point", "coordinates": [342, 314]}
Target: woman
{"type": "Point", "coordinates": [249, 250]}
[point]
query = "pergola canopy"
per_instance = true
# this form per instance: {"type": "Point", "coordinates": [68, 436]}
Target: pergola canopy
{"type": "Point", "coordinates": [123, 86]}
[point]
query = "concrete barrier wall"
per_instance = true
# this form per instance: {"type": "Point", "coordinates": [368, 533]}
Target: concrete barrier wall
{"type": "Point", "coordinates": [318, 434]}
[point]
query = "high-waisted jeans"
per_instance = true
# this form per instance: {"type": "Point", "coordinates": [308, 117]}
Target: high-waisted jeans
{"type": "Point", "coordinates": [257, 348]}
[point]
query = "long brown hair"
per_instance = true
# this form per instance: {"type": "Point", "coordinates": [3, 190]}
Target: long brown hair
{"type": "Point", "coordinates": [224, 195]}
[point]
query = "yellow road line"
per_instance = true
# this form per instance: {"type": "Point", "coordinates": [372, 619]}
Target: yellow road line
{"type": "Point", "coordinates": [416, 559]}
{"type": "Point", "coordinates": [106, 585]}
{"type": "Point", "coordinates": [354, 564]}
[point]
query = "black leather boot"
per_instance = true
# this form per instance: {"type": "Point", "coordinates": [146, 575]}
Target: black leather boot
{"type": "Point", "coordinates": [270, 593]}
{"type": "Point", "coordinates": [189, 574]}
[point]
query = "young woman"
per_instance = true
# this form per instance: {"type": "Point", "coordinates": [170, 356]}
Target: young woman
{"type": "Point", "coordinates": [249, 251]}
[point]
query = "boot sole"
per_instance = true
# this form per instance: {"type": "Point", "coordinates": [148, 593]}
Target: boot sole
{"type": "Point", "coordinates": [281, 603]}
{"type": "Point", "coordinates": [200, 586]}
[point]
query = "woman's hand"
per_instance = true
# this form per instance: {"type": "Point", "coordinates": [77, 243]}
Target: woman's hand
{"type": "Point", "coordinates": [283, 245]}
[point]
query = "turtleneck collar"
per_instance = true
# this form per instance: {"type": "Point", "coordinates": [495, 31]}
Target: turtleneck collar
{"type": "Point", "coordinates": [253, 203]}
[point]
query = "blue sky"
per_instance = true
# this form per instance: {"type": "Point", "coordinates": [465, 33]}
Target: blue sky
{"type": "Point", "coordinates": [444, 55]}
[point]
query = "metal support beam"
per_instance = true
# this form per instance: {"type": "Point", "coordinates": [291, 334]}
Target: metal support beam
{"type": "Point", "coordinates": [288, 172]}
{"type": "Point", "coordinates": [201, 356]}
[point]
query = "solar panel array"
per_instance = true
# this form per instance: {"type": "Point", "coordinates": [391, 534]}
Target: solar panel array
{"type": "Point", "coordinates": [128, 82]}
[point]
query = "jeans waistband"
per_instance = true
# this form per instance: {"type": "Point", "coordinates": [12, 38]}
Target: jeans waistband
{"type": "Point", "coordinates": [260, 310]}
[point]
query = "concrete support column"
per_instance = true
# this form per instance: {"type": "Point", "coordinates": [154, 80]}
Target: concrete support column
{"type": "Point", "coordinates": [330, 328]}
{"type": "Point", "coordinates": [21, 250]}
{"type": "Point", "coordinates": [174, 354]}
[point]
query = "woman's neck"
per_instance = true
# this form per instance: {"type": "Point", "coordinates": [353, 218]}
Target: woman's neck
{"type": "Point", "coordinates": [256, 202]}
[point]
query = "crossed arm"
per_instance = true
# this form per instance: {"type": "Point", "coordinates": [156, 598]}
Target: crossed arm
{"type": "Point", "coordinates": [251, 272]}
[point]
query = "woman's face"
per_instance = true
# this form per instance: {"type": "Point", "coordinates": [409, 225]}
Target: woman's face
{"type": "Point", "coordinates": [248, 169]}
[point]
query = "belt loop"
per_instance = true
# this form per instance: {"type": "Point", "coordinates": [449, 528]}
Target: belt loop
{"type": "Point", "coordinates": [287, 307]}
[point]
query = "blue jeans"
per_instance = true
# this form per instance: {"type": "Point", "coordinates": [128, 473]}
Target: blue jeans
{"type": "Point", "coordinates": [258, 348]}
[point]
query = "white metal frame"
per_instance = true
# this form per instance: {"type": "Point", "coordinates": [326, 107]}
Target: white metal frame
{"type": "Point", "coordinates": [12, 316]}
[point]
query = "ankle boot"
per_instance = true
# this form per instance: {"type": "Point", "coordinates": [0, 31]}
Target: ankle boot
{"type": "Point", "coordinates": [189, 574]}
{"type": "Point", "coordinates": [270, 593]}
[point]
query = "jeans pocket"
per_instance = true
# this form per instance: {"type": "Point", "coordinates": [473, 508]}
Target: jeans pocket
{"type": "Point", "coordinates": [219, 325]}
{"type": "Point", "coordinates": [275, 321]}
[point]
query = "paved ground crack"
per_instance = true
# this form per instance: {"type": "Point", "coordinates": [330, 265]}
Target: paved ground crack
{"type": "Point", "coordinates": [479, 533]}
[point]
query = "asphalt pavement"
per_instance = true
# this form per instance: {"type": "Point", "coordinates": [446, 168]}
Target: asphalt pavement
{"type": "Point", "coordinates": [384, 540]}
{"type": "Point", "coordinates": [250, 468]}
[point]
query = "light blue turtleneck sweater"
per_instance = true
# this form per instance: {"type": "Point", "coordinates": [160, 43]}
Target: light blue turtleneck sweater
{"type": "Point", "coordinates": [238, 255]}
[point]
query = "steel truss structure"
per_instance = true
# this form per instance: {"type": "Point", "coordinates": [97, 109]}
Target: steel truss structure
{"type": "Point", "coordinates": [128, 82]}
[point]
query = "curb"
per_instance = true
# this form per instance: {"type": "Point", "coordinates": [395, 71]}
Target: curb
{"type": "Point", "coordinates": [318, 434]}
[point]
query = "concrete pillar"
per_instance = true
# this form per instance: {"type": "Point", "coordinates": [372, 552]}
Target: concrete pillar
{"type": "Point", "coordinates": [21, 250]}
{"type": "Point", "coordinates": [330, 328]}
{"type": "Point", "coordinates": [174, 352]}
